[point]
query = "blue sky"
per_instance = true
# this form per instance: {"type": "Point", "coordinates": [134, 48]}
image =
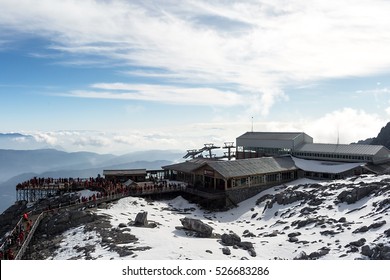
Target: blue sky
{"type": "Point", "coordinates": [120, 76]}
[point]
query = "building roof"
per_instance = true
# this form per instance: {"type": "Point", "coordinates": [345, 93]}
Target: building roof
{"type": "Point", "coordinates": [324, 166]}
{"type": "Point", "coordinates": [271, 135]}
{"type": "Point", "coordinates": [252, 166]}
{"type": "Point", "coordinates": [351, 149]}
{"type": "Point", "coordinates": [124, 172]}
{"type": "Point", "coordinates": [187, 166]}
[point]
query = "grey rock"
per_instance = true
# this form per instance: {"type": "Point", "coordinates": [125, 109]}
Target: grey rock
{"type": "Point", "coordinates": [358, 243]}
{"type": "Point", "coordinates": [252, 252]}
{"type": "Point", "coordinates": [361, 229]}
{"type": "Point", "coordinates": [294, 234]}
{"type": "Point", "coordinates": [293, 239]}
{"type": "Point", "coordinates": [366, 251]}
{"type": "Point", "coordinates": [230, 239]}
{"type": "Point", "coordinates": [342, 220]}
{"type": "Point", "coordinates": [202, 229]}
{"type": "Point", "coordinates": [351, 196]}
{"type": "Point", "coordinates": [307, 210]}
{"type": "Point", "coordinates": [377, 224]}
{"type": "Point", "coordinates": [247, 233]}
{"type": "Point", "coordinates": [141, 220]}
{"type": "Point", "coordinates": [329, 232]}
{"type": "Point", "coordinates": [245, 245]}
{"type": "Point", "coordinates": [226, 251]}
{"type": "Point", "coordinates": [318, 254]}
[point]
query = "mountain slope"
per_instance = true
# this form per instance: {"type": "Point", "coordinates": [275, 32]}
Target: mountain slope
{"type": "Point", "coordinates": [345, 219]}
{"type": "Point", "coordinates": [383, 137]}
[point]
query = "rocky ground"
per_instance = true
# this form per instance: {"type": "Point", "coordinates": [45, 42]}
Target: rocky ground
{"type": "Point", "coordinates": [327, 220]}
{"type": "Point", "coordinates": [49, 235]}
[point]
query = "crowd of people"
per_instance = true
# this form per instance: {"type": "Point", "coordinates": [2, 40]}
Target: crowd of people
{"type": "Point", "coordinates": [101, 188]}
{"type": "Point", "coordinates": [68, 183]}
{"type": "Point", "coordinates": [105, 187]}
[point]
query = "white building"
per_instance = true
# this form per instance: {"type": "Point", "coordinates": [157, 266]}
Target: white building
{"type": "Point", "coordinates": [299, 144]}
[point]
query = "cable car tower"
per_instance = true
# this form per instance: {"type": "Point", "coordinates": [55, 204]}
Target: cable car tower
{"type": "Point", "coordinates": [229, 154]}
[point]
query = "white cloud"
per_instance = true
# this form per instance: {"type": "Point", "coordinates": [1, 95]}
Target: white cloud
{"type": "Point", "coordinates": [377, 91]}
{"type": "Point", "coordinates": [256, 47]}
{"type": "Point", "coordinates": [47, 138]}
{"type": "Point", "coordinates": [348, 125]}
{"type": "Point", "coordinates": [165, 94]}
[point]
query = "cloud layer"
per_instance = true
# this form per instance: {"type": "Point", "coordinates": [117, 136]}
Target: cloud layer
{"type": "Point", "coordinates": [239, 57]}
{"type": "Point", "coordinates": [346, 126]}
{"type": "Point", "coordinates": [254, 49]}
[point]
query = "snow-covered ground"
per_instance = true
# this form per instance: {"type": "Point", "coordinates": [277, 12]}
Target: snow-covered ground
{"type": "Point", "coordinates": [268, 226]}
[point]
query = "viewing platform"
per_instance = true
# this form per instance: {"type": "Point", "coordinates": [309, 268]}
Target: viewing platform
{"type": "Point", "coordinates": [16, 243]}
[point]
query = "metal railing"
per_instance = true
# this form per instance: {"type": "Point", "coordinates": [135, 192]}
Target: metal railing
{"type": "Point", "coordinates": [27, 240]}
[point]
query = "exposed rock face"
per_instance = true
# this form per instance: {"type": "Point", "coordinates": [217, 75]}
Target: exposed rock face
{"type": "Point", "coordinates": [289, 197]}
{"type": "Point", "coordinates": [376, 252]}
{"type": "Point", "coordinates": [202, 229]}
{"type": "Point", "coordinates": [10, 217]}
{"type": "Point", "coordinates": [63, 220]}
{"type": "Point", "coordinates": [357, 193]}
{"type": "Point", "coordinates": [230, 239]}
{"type": "Point", "coordinates": [383, 138]}
{"type": "Point", "coordinates": [314, 255]}
{"type": "Point", "coordinates": [372, 226]}
{"type": "Point", "coordinates": [306, 214]}
{"type": "Point", "coordinates": [358, 243]}
{"type": "Point", "coordinates": [116, 239]}
{"type": "Point", "coordinates": [141, 220]}
{"type": "Point", "coordinates": [54, 202]}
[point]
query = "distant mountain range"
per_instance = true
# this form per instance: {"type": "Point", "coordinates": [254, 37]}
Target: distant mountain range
{"type": "Point", "coordinates": [17, 166]}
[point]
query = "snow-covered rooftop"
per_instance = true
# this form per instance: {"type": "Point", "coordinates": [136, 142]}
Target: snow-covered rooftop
{"type": "Point", "coordinates": [324, 166]}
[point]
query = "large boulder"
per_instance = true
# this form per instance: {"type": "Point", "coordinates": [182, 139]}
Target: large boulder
{"type": "Point", "coordinates": [230, 239]}
{"type": "Point", "coordinates": [357, 193]}
{"type": "Point", "coordinates": [376, 252]}
{"type": "Point", "coordinates": [202, 229]}
{"type": "Point", "coordinates": [141, 220]}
